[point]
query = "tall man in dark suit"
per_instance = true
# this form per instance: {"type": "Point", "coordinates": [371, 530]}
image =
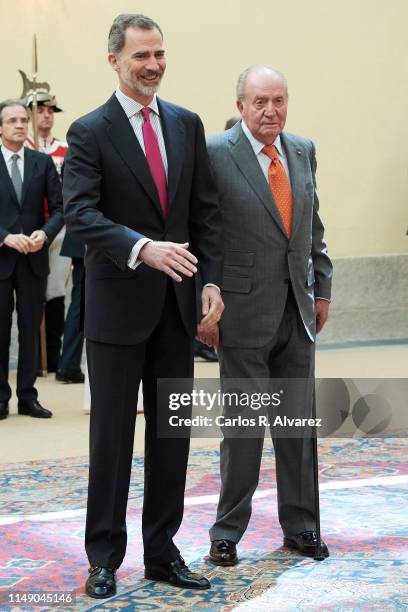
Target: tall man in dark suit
{"type": "Point", "coordinates": [139, 192]}
{"type": "Point", "coordinates": [276, 286]}
{"type": "Point", "coordinates": [26, 179]}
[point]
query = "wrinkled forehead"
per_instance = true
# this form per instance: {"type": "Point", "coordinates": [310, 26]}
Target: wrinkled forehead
{"type": "Point", "coordinates": [265, 83]}
{"type": "Point", "coordinates": [13, 111]}
{"type": "Point", "coordinates": [136, 37]}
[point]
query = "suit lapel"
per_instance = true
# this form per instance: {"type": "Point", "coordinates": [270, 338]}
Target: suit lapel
{"type": "Point", "coordinates": [5, 177]}
{"type": "Point", "coordinates": [174, 135]}
{"type": "Point", "coordinates": [29, 165]}
{"type": "Point", "coordinates": [296, 162]}
{"type": "Point", "coordinates": [244, 157]}
{"type": "Point", "coordinates": [124, 140]}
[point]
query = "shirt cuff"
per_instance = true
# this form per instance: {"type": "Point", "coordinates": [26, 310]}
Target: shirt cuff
{"type": "Point", "coordinates": [212, 285]}
{"type": "Point", "coordinates": [134, 261]}
{"type": "Point", "coordinates": [321, 298]}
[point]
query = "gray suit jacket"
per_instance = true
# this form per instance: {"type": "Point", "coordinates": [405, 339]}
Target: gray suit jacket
{"type": "Point", "coordinates": [259, 260]}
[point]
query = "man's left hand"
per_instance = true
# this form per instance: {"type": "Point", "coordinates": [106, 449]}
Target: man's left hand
{"type": "Point", "coordinates": [38, 237]}
{"type": "Point", "coordinates": [212, 307]}
{"type": "Point", "coordinates": [322, 313]}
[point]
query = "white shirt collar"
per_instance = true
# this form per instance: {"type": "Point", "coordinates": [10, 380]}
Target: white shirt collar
{"type": "Point", "coordinates": [8, 154]}
{"type": "Point", "coordinates": [256, 144]}
{"type": "Point", "coordinates": [131, 107]}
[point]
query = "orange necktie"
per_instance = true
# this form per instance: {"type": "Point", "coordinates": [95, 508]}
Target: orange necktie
{"type": "Point", "coordinates": [280, 188]}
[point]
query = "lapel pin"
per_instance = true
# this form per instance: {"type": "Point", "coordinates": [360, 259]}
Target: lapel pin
{"type": "Point", "coordinates": [298, 151]}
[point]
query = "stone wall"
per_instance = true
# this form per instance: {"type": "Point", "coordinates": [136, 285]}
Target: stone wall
{"type": "Point", "coordinates": [369, 303]}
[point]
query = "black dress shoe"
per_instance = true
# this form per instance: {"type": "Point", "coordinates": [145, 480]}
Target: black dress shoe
{"type": "Point", "coordinates": [33, 408]}
{"type": "Point", "coordinates": [70, 376]}
{"type": "Point", "coordinates": [177, 574]}
{"type": "Point", "coordinates": [205, 352]}
{"type": "Point", "coordinates": [4, 410]}
{"type": "Point", "coordinates": [101, 583]}
{"type": "Point", "coordinates": [223, 552]}
{"type": "Point", "coordinates": [305, 543]}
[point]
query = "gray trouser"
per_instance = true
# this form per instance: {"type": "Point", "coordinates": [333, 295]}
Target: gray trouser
{"type": "Point", "coordinates": [289, 355]}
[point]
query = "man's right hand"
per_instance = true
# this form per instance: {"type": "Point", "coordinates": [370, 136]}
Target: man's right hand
{"type": "Point", "coordinates": [19, 242]}
{"type": "Point", "coordinates": [170, 258]}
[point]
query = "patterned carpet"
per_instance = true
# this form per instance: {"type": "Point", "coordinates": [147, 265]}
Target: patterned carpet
{"type": "Point", "coordinates": [364, 520]}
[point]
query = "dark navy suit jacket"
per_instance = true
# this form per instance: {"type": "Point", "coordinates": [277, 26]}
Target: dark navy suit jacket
{"type": "Point", "coordinates": [72, 248]}
{"type": "Point", "coordinates": [40, 182]}
{"type": "Point", "coordinates": [111, 201]}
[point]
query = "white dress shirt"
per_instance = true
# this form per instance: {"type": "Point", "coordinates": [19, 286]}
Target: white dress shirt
{"type": "Point", "coordinates": [133, 113]}
{"type": "Point", "coordinates": [263, 159]}
{"type": "Point", "coordinates": [8, 154]}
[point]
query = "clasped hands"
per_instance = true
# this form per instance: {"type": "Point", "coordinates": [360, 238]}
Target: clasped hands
{"type": "Point", "coordinates": [175, 259]}
{"type": "Point", "coordinates": [26, 244]}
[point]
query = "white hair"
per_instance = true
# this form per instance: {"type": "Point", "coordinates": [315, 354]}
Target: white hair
{"type": "Point", "coordinates": [243, 77]}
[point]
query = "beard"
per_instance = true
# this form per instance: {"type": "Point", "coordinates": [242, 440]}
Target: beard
{"type": "Point", "coordinates": [144, 90]}
{"type": "Point", "coordinates": [139, 88]}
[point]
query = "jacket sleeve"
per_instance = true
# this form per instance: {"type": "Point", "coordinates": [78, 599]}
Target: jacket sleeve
{"type": "Point", "coordinates": [322, 265]}
{"type": "Point", "coordinates": [82, 198]}
{"type": "Point", "coordinates": [54, 202]}
{"type": "Point", "coordinates": [205, 217]}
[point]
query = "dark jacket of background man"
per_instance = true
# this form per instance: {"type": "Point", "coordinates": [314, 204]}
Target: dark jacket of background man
{"type": "Point", "coordinates": [24, 274]}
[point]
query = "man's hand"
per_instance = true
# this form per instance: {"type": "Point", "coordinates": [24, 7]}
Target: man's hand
{"type": "Point", "coordinates": [169, 257]}
{"type": "Point", "coordinates": [322, 313]}
{"type": "Point", "coordinates": [212, 307]}
{"type": "Point", "coordinates": [38, 237]}
{"type": "Point", "coordinates": [19, 242]}
{"type": "Point", "coordinates": [210, 337]}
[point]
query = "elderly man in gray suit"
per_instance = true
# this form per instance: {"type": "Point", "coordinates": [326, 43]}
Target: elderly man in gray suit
{"type": "Point", "coordinates": [276, 289]}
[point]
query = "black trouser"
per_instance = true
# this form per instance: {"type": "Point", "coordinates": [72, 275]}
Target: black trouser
{"type": "Point", "coordinates": [29, 291]}
{"type": "Point", "coordinates": [73, 334]}
{"type": "Point", "coordinates": [114, 373]}
{"type": "Point", "coordinates": [54, 328]}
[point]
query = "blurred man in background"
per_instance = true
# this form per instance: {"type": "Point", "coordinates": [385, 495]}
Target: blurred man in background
{"type": "Point", "coordinates": [26, 179]}
{"type": "Point", "coordinates": [60, 267]}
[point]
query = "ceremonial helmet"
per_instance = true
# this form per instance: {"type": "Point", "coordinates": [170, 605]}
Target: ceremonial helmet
{"type": "Point", "coordinates": [44, 99]}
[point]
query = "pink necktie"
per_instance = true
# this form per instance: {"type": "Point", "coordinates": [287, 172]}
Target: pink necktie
{"type": "Point", "coordinates": [154, 159]}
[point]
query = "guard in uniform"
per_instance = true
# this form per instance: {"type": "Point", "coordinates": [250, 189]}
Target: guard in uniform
{"type": "Point", "coordinates": [60, 267]}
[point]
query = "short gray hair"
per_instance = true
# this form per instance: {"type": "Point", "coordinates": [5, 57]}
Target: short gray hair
{"type": "Point", "coordinates": [243, 77]}
{"type": "Point", "coordinates": [12, 102]}
{"type": "Point", "coordinates": [116, 39]}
